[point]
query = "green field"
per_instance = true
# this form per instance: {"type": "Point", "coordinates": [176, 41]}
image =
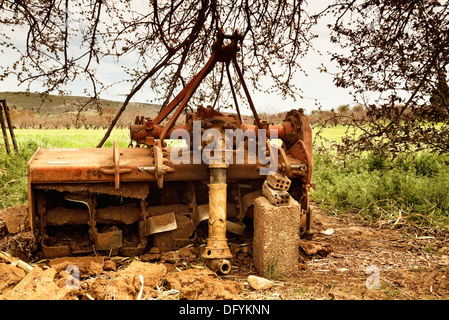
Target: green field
{"type": "Point", "coordinates": [60, 138]}
{"type": "Point", "coordinates": [404, 191]}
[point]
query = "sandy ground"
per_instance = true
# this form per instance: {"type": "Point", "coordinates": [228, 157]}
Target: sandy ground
{"type": "Point", "coordinates": [343, 260]}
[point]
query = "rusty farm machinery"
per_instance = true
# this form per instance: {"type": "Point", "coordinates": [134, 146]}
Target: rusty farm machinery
{"type": "Point", "coordinates": [124, 200]}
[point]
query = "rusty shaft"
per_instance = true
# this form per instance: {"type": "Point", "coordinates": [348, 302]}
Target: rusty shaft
{"type": "Point", "coordinates": [217, 251]}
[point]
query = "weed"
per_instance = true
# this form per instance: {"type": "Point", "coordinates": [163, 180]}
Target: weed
{"type": "Point", "coordinates": [331, 284]}
{"type": "Point", "coordinates": [295, 293]}
{"type": "Point", "coordinates": [271, 269]}
{"type": "Point", "coordinates": [429, 248]}
{"type": "Point", "coordinates": [417, 268]}
{"type": "Point", "coordinates": [390, 289]}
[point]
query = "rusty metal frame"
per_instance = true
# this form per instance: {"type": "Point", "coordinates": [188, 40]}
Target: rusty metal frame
{"type": "Point", "coordinates": [134, 166]}
{"type": "Point", "coordinates": [221, 52]}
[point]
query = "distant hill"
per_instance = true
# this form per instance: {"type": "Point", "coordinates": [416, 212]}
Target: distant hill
{"type": "Point", "coordinates": [57, 105]}
{"type": "Point", "coordinates": [28, 111]}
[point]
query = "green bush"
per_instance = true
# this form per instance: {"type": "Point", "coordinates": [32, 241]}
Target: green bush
{"type": "Point", "coordinates": [413, 189]}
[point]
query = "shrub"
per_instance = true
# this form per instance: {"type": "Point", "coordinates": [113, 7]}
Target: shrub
{"type": "Point", "coordinates": [378, 188]}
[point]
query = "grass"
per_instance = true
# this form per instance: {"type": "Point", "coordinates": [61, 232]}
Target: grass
{"type": "Point", "coordinates": [80, 138]}
{"type": "Point", "coordinates": [405, 190]}
{"type": "Point", "coordinates": [326, 136]}
{"type": "Point", "coordinates": [390, 289]}
{"type": "Point", "coordinates": [271, 269]}
{"type": "Point", "coordinates": [298, 293]}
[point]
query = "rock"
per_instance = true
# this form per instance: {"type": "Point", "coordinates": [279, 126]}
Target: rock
{"type": "Point", "coordinates": [153, 255]}
{"type": "Point", "coordinates": [38, 284]}
{"type": "Point", "coordinates": [87, 266]}
{"type": "Point", "coordinates": [110, 265]}
{"type": "Point", "coordinates": [311, 247]}
{"type": "Point", "coordinates": [187, 253]}
{"type": "Point", "coordinates": [155, 250]}
{"type": "Point", "coordinates": [194, 284]}
{"type": "Point", "coordinates": [170, 257]}
{"type": "Point", "coordinates": [259, 283]}
{"type": "Point", "coordinates": [328, 232]}
{"type": "Point", "coordinates": [9, 277]}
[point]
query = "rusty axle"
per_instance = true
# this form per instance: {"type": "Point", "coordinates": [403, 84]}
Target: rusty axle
{"type": "Point", "coordinates": [217, 247]}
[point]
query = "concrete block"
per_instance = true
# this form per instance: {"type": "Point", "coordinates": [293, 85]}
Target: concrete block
{"type": "Point", "coordinates": [278, 181]}
{"type": "Point", "coordinates": [276, 238]}
{"type": "Point", "coordinates": [276, 197]}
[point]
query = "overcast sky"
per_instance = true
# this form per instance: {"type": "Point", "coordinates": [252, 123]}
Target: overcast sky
{"type": "Point", "coordinates": [317, 88]}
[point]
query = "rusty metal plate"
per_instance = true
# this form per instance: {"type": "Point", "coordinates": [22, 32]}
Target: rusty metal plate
{"type": "Point", "coordinates": [50, 252]}
{"type": "Point", "coordinates": [161, 223]}
{"type": "Point", "coordinates": [86, 165]}
{"type": "Point", "coordinates": [108, 240]}
{"type": "Point", "coordinates": [236, 228]}
{"type": "Point", "coordinates": [133, 251]}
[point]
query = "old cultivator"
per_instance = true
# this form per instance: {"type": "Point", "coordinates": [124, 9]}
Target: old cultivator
{"type": "Point", "coordinates": [124, 200]}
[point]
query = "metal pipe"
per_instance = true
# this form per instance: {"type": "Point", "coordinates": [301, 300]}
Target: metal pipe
{"type": "Point", "coordinates": [222, 266]}
{"type": "Point", "coordinates": [217, 250]}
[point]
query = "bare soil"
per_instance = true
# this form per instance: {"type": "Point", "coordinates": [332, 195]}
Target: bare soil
{"type": "Point", "coordinates": [343, 260]}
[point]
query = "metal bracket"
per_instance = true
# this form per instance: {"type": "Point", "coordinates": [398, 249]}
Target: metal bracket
{"type": "Point", "coordinates": [159, 169]}
{"type": "Point", "coordinates": [116, 171]}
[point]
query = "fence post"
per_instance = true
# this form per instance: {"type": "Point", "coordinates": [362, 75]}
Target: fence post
{"type": "Point", "coordinates": [11, 129]}
{"type": "Point", "coordinates": [2, 122]}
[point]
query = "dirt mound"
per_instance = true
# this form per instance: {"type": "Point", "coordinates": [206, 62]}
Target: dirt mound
{"type": "Point", "coordinates": [194, 284]}
{"type": "Point", "coordinates": [38, 284]}
{"type": "Point", "coordinates": [140, 280]}
{"type": "Point", "coordinates": [74, 278]}
{"type": "Point", "coordinates": [103, 278]}
{"type": "Point", "coordinates": [10, 276]}
{"type": "Point", "coordinates": [343, 260]}
{"type": "Point", "coordinates": [14, 220]}
{"type": "Point", "coordinates": [86, 266]}
{"type": "Point", "coordinates": [15, 235]}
